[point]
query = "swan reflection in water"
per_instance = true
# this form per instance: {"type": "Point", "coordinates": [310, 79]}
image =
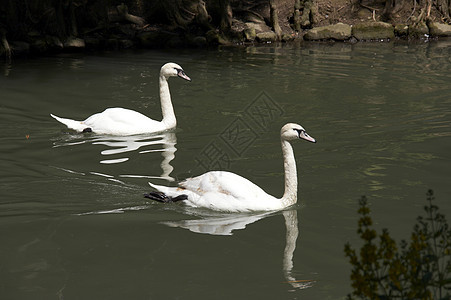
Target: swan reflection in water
{"type": "Point", "coordinates": [118, 145]}
{"type": "Point", "coordinates": [227, 223]}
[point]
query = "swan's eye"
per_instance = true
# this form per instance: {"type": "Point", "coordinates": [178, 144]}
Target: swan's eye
{"type": "Point", "coordinates": [180, 72]}
{"type": "Point", "coordinates": [299, 131]}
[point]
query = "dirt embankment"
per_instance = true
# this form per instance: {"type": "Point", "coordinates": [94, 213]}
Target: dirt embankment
{"type": "Point", "coordinates": [49, 26]}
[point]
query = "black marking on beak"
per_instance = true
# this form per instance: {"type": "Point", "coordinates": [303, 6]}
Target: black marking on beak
{"type": "Point", "coordinates": [181, 74]}
{"type": "Point", "coordinates": [302, 134]}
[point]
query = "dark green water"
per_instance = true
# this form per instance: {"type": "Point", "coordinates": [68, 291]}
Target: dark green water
{"type": "Point", "coordinates": [74, 224]}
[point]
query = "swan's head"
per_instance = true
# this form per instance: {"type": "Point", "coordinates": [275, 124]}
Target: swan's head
{"type": "Point", "coordinates": [292, 131]}
{"type": "Point", "coordinates": [172, 70]}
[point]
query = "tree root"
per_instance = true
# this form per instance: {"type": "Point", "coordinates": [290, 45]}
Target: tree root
{"type": "Point", "coordinates": [6, 47]}
{"type": "Point", "coordinates": [122, 11]}
{"type": "Point", "coordinates": [274, 18]}
{"type": "Point", "coordinates": [368, 7]}
{"type": "Point", "coordinates": [413, 10]}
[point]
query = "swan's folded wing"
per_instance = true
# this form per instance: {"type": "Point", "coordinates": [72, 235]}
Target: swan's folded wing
{"type": "Point", "coordinates": [223, 182]}
{"type": "Point", "coordinates": [120, 121]}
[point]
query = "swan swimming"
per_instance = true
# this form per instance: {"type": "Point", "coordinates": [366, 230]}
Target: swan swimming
{"type": "Point", "coordinates": [226, 191]}
{"type": "Point", "coordinates": [122, 121]}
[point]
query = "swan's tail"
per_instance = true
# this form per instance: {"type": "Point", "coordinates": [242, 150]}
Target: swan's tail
{"type": "Point", "coordinates": [165, 194]}
{"type": "Point", "coordinates": [71, 124]}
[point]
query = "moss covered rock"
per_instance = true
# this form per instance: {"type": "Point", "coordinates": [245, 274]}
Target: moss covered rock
{"type": "Point", "coordinates": [337, 31]}
{"type": "Point", "coordinates": [373, 31]}
{"type": "Point", "coordinates": [266, 37]}
{"type": "Point", "coordinates": [401, 30]}
{"type": "Point", "coordinates": [439, 29]}
{"type": "Point", "coordinates": [419, 30]}
{"type": "Point", "coordinates": [249, 33]}
{"type": "Point", "coordinates": [154, 38]}
{"type": "Point", "coordinates": [73, 44]}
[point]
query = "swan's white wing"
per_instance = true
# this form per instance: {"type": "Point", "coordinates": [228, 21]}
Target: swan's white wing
{"type": "Point", "coordinates": [223, 191]}
{"type": "Point", "coordinates": [117, 121]}
{"type": "Point", "coordinates": [122, 121]}
{"type": "Point", "coordinates": [223, 182]}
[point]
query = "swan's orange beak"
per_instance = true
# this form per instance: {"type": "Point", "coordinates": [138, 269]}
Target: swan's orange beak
{"type": "Point", "coordinates": [182, 74]}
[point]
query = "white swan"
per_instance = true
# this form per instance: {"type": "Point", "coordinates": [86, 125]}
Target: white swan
{"type": "Point", "coordinates": [225, 191]}
{"type": "Point", "coordinates": [122, 121]}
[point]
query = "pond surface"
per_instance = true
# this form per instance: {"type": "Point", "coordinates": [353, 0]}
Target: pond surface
{"type": "Point", "coordinates": [73, 220]}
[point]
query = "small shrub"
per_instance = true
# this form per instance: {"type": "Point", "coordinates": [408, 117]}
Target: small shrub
{"type": "Point", "coordinates": [418, 269]}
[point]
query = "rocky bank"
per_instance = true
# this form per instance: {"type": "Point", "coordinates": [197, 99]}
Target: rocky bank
{"type": "Point", "coordinates": [67, 26]}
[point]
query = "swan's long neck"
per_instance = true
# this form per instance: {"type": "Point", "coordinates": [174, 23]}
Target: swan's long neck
{"type": "Point", "coordinates": [291, 178]}
{"type": "Point", "coordinates": [166, 104]}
